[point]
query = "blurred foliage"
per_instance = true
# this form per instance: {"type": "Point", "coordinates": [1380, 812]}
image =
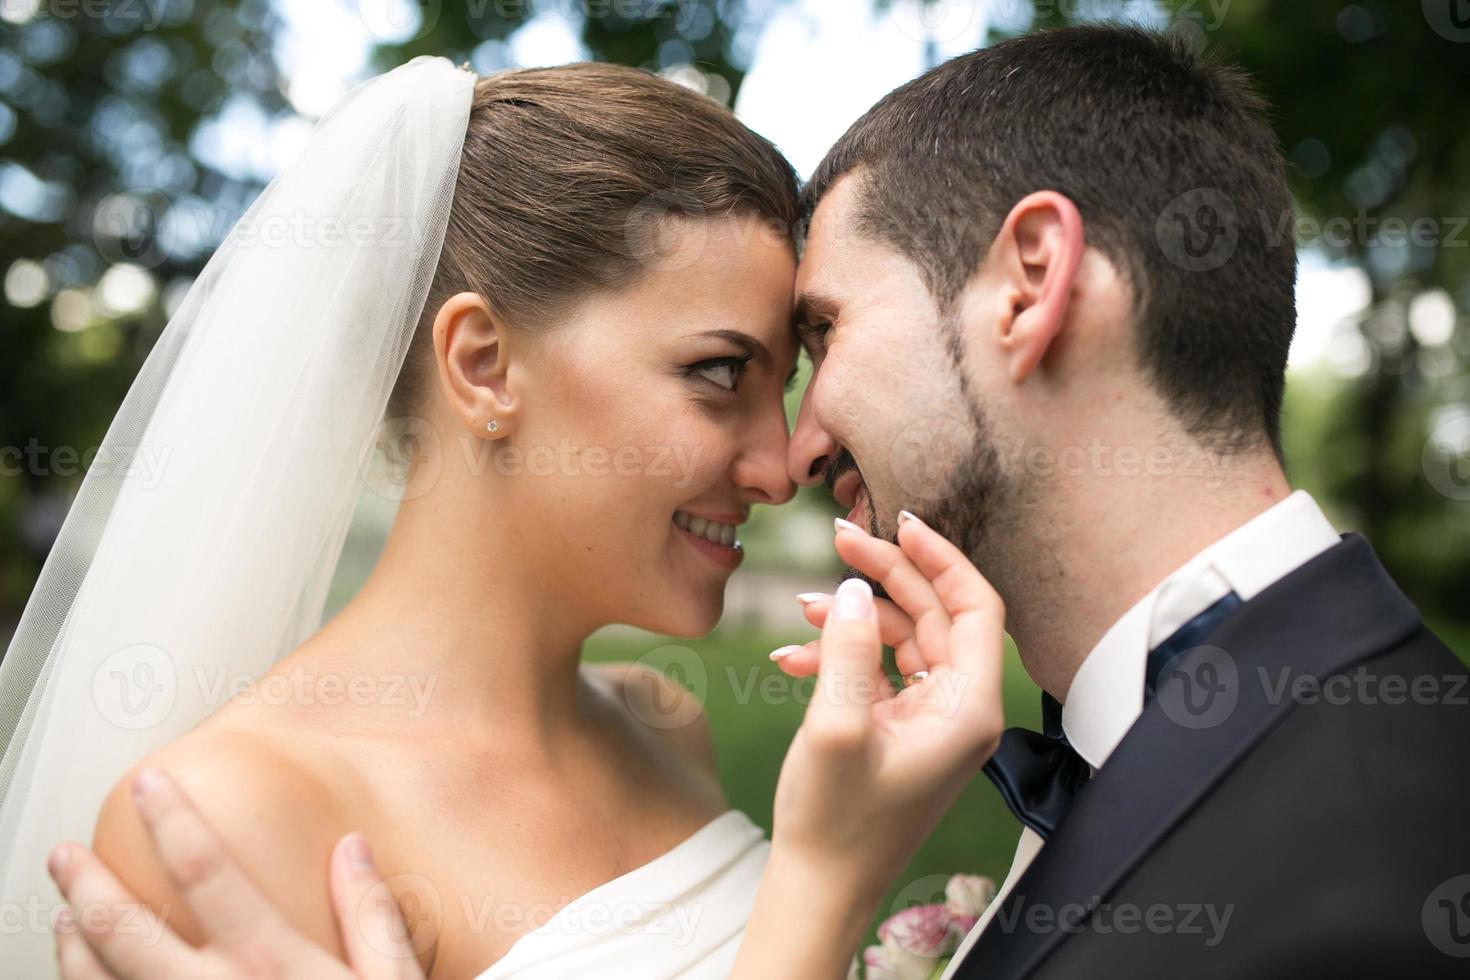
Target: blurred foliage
{"type": "Point", "coordinates": [98, 116]}
{"type": "Point", "coordinates": [106, 123]}
{"type": "Point", "coordinates": [1369, 104]}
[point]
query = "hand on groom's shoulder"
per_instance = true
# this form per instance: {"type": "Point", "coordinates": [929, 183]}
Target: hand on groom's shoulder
{"type": "Point", "coordinates": [248, 790]}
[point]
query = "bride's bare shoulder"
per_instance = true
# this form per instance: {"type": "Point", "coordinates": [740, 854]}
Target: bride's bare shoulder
{"type": "Point", "coordinates": [278, 815]}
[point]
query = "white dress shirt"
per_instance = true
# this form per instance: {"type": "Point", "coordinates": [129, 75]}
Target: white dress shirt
{"type": "Point", "coordinates": [1106, 696]}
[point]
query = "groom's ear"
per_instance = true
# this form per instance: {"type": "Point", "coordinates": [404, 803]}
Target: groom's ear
{"type": "Point", "coordinates": [1035, 257]}
{"type": "Point", "coordinates": [472, 353]}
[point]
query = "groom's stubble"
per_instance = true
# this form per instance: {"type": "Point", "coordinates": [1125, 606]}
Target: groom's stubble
{"type": "Point", "coordinates": [980, 506]}
{"type": "Point", "coordinates": [986, 507]}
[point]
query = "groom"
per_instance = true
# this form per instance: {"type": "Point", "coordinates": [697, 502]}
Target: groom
{"type": "Point", "coordinates": [1052, 260]}
{"type": "Point", "coordinates": [1048, 316]}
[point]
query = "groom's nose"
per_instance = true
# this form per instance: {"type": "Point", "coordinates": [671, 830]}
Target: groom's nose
{"type": "Point", "coordinates": [811, 450]}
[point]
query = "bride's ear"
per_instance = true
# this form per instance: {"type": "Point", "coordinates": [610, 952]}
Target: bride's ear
{"type": "Point", "coordinates": [1036, 255]}
{"type": "Point", "coordinates": [472, 351]}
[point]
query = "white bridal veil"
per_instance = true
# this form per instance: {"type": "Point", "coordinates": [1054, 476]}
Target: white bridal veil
{"type": "Point", "coordinates": [170, 584]}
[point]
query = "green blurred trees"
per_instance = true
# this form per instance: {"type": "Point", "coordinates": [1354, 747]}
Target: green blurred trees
{"type": "Point", "coordinates": [98, 106]}
{"type": "Point", "coordinates": [1369, 103]}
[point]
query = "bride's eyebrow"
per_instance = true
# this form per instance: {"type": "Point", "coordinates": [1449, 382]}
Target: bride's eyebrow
{"type": "Point", "coordinates": [751, 346]}
{"type": "Point", "coordinates": [747, 344]}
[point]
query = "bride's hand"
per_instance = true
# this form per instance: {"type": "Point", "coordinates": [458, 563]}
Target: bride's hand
{"type": "Point", "coordinates": [871, 769]}
{"type": "Point", "coordinates": [105, 932]}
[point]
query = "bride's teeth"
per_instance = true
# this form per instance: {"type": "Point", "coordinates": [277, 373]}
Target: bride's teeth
{"type": "Point", "coordinates": [709, 530]}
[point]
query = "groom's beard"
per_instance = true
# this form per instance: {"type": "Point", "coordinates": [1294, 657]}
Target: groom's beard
{"type": "Point", "coordinates": [977, 499]}
{"type": "Point", "coordinates": [982, 507]}
{"type": "Point", "coordinates": [971, 510]}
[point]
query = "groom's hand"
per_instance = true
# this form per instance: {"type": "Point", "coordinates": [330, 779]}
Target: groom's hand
{"type": "Point", "coordinates": [872, 769]}
{"type": "Point", "coordinates": [105, 932]}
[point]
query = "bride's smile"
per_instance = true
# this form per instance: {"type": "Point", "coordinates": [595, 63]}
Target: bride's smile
{"type": "Point", "coordinates": [713, 536]}
{"type": "Point", "coordinates": [675, 383]}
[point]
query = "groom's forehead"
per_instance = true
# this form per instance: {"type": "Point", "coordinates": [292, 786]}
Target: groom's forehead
{"type": "Point", "coordinates": [832, 218]}
{"type": "Point", "coordinates": [828, 237]}
{"type": "Point", "coordinates": [841, 258]}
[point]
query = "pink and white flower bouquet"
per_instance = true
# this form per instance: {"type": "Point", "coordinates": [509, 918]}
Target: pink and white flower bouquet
{"type": "Point", "coordinates": [917, 942]}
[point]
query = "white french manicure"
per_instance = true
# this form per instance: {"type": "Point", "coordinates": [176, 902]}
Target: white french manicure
{"type": "Point", "coordinates": [854, 601]}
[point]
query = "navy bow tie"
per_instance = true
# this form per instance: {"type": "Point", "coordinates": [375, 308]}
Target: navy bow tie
{"type": "Point", "coordinates": [1039, 773]}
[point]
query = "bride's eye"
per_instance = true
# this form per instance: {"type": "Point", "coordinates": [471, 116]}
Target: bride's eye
{"type": "Point", "coordinates": [722, 371]}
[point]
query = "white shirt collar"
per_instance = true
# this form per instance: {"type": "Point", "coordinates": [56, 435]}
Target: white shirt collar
{"type": "Point", "coordinates": [1106, 696]}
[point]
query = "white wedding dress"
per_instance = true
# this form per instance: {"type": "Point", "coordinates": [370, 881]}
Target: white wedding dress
{"type": "Point", "coordinates": [679, 915]}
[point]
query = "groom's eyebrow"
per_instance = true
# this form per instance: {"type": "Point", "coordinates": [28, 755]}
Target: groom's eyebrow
{"type": "Point", "coordinates": [811, 308]}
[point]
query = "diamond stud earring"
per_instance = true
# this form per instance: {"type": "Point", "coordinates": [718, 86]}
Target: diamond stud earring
{"type": "Point", "coordinates": [492, 426]}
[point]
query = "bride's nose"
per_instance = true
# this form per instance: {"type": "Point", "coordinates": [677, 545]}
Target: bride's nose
{"type": "Point", "coordinates": [759, 468]}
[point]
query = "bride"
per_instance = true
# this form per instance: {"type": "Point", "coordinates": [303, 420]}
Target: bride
{"type": "Point", "coordinates": [569, 290]}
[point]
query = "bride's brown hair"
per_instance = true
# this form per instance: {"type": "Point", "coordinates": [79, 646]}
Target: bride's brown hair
{"type": "Point", "coordinates": [565, 176]}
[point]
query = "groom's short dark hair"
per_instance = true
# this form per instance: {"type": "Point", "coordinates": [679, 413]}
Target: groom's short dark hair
{"type": "Point", "coordinates": [1168, 156]}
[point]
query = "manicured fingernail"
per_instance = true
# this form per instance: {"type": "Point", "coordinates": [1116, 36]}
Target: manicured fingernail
{"type": "Point", "coordinates": [781, 653]}
{"type": "Point", "coordinates": [854, 601]}
{"type": "Point", "coordinates": [56, 862]}
{"type": "Point", "coordinates": [846, 525]}
{"type": "Point", "coordinates": [146, 783]}
{"type": "Point", "coordinates": [358, 854]}
{"type": "Point", "coordinates": [806, 597]}
{"type": "Point", "coordinates": [905, 515]}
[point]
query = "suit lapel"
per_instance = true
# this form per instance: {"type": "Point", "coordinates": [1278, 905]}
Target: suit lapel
{"type": "Point", "coordinates": [1339, 608]}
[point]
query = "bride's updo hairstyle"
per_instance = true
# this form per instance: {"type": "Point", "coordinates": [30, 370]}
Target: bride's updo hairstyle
{"type": "Point", "coordinates": [568, 183]}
